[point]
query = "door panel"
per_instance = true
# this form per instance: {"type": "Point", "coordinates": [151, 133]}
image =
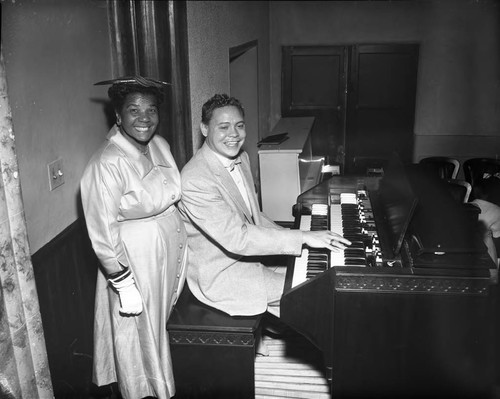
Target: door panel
{"type": "Point", "coordinates": [315, 81]}
{"type": "Point", "coordinates": [314, 84]}
{"type": "Point", "coordinates": [381, 102]}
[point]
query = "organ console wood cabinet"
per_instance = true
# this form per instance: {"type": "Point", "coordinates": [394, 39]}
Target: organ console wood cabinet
{"type": "Point", "coordinates": [287, 169]}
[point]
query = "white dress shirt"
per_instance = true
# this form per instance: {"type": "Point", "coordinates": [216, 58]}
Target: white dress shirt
{"type": "Point", "coordinates": [233, 167]}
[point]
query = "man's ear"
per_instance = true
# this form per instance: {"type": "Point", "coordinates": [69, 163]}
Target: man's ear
{"type": "Point", "coordinates": [204, 129]}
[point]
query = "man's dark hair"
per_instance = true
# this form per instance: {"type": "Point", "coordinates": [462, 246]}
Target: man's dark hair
{"type": "Point", "coordinates": [219, 101]}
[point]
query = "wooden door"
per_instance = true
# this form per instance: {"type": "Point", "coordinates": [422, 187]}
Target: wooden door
{"type": "Point", "coordinates": [363, 98]}
{"type": "Point", "coordinates": [381, 101]}
{"type": "Point", "coordinates": [314, 84]}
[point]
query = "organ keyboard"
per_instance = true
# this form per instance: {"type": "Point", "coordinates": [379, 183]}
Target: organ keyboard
{"type": "Point", "coordinates": [344, 219]}
{"type": "Point", "coordinates": [391, 318]}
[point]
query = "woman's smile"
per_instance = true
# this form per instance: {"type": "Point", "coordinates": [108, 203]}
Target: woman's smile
{"type": "Point", "coordinates": [138, 118]}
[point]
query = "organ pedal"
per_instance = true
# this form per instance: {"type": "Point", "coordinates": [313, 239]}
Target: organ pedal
{"type": "Point", "coordinates": [293, 369]}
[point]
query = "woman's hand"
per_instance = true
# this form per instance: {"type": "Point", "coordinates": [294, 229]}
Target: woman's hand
{"type": "Point", "coordinates": [130, 301]}
{"type": "Point", "coordinates": [130, 297]}
{"type": "Point", "coordinates": [325, 239]}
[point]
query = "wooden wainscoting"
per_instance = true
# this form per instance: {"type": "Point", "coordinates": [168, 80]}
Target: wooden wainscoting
{"type": "Point", "coordinates": [65, 272]}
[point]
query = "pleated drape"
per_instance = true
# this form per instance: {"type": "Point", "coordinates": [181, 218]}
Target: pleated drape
{"type": "Point", "coordinates": [24, 368]}
{"type": "Point", "coordinates": [149, 38]}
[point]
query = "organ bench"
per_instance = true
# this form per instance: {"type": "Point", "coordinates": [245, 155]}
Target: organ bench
{"type": "Point", "coordinates": [213, 354]}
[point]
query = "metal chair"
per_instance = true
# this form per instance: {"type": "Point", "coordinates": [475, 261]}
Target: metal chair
{"type": "Point", "coordinates": [476, 169]}
{"type": "Point", "coordinates": [444, 167]}
{"type": "Point", "coordinates": [459, 189]}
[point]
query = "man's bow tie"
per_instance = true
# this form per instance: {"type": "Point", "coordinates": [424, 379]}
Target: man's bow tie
{"type": "Point", "coordinates": [233, 163]}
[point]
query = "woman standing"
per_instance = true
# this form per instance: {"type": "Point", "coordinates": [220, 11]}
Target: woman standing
{"type": "Point", "coordinates": [130, 189]}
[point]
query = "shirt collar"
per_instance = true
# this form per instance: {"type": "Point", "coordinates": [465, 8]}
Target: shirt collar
{"type": "Point", "coordinates": [226, 162]}
{"type": "Point", "coordinates": [141, 164]}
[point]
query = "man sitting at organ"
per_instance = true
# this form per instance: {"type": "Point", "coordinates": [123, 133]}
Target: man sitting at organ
{"type": "Point", "coordinates": [227, 233]}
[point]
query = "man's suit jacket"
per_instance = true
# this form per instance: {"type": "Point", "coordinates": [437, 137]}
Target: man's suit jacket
{"type": "Point", "coordinates": [224, 238]}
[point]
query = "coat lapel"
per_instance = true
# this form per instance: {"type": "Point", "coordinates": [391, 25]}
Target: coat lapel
{"type": "Point", "coordinates": [248, 180]}
{"type": "Point", "coordinates": [225, 180]}
{"type": "Point", "coordinates": [160, 152]}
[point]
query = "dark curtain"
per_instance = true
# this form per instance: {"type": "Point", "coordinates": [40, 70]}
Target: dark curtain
{"type": "Point", "coordinates": [149, 38]}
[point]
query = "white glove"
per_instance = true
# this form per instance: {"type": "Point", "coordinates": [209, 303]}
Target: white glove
{"type": "Point", "coordinates": [130, 298]}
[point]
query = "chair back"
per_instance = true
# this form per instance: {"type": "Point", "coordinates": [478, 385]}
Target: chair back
{"type": "Point", "coordinates": [444, 167]}
{"type": "Point", "coordinates": [476, 169]}
{"type": "Point", "coordinates": [459, 189]}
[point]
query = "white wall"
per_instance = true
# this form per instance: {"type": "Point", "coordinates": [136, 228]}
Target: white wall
{"type": "Point", "coordinates": [458, 91]}
{"type": "Point", "coordinates": [244, 85]}
{"type": "Point", "coordinates": [54, 51]}
{"type": "Point", "coordinates": [213, 28]}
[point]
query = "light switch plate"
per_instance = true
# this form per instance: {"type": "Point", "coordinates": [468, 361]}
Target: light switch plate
{"type": "Point", "coordinates": [56, 174]}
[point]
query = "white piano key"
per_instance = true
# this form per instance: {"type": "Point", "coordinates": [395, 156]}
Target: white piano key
{"type": "Point", "coordinates": [336, 258]}
{"type": "Point", "coordinates": [300, 268]}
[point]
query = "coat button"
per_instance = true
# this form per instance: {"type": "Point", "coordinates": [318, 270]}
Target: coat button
{"type": "Point", "coordinates": [165, 181]}
{"type": "Point", "coordinates": [178, 230]}
{"type": "Point", "coordinates": [173, 197]}
{"type": "Point", "coordinates": [180, 245]}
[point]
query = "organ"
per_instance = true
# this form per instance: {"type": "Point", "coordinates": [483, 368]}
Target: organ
{"type": "Point", "coordinates": [408, 309]}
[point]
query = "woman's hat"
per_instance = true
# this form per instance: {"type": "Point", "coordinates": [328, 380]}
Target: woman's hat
{"type": "Point", "coordinates": [137, 80]}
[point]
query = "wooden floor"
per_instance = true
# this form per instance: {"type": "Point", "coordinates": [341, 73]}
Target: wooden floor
{"type": "Point", "coordinates": [293, 369]}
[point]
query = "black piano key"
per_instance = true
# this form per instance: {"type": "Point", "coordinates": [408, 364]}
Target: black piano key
{"type": "Point", "coordinates": [354, 255]}
{"type": "Point", "coordinates": [318, 257]}
{"type": "Point", "coordinates": [354, 250]}
{"type": "Point", "coordinates": [314, 265]}
{"type": "Point", "coordinates": [317, 262]}
{"type": "Point", "coordinates": [355, 261]}
{"type": "Point", "coordinates": [355, 237]}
